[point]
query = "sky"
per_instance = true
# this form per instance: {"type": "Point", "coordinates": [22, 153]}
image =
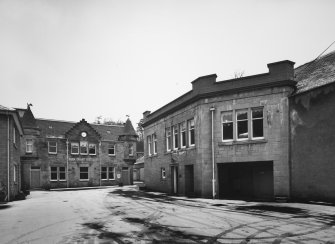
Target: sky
{"type": "Point", "coordinates": [75, 59]}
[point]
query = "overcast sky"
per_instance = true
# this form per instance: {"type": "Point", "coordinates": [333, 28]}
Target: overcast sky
{"type": "Point", "coordinates": [81, 59]}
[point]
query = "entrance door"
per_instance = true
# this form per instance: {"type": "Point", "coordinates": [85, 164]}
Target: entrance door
{"type": "Point", "coordinates": [174, 179]}
{"type": "Point", "coordinates": [189, 180]}
{"type": "Point", "coordinates": [125, 176]}
{"type": "Point", "coordinates": [35, 178]}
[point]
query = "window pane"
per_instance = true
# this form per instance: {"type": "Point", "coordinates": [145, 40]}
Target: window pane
{"type": "Point", "coordinates": [168, 139]}
{"type": "Point", "coordinates": [74, 148]}
{"type": "Point", "coordinates": [83, 147]}
{"type": "Point", "coordinates": [111, 149]}
{"type": "Point", "coordinates": [52, 147]}
{"type": "Point", "coordinates": [257, 113]}
{"type": "Point", "coordinates": [62, 176]}
{"type": "Point", "coordinates": [84, 173]}
{"type": "Point", "coordinates": [227, 131]}
{"type": "Point", "coordinates": [242, 129]}
{"type": "Point", "coordinates": [104, 173]}
{"type": "Point", "coordinates": [242, 115]}
{"type": "Point", "coordinates": [111, 174]}
{"type": "Point", "coordinates": [191, 137]}
{"type": "Point", "coordinates": [91, 149]}
{"type": "Point", "coordinates": [227, 117]}
{"type": "Point", "coordinates": [53, 173]}
{"type": "Point", "coordinates": [257, 128]}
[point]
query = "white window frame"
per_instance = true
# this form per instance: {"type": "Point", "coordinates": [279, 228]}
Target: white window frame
{"type": "Point", "coordinates": [52, 146]}
{"type": "Point", "coordinates": [149, 143]}
{"type": "Point", "coordinates": [131, 149]}
{"type": "Point", "coordinates": [154, 143]}
{"type": "Point", "coordinates": [52, 171]}
{"type": "Point", "coordinates": [175, 139]}
{"type": "Point", "coordinates": [252, 122]}
{"type": "Point", "coordinates": [58, 172]}
{"type": "Point", "coordinates": [108, 170]}
{"type": "Point", "coordinates": [14, 135]}
{"type": "Point", "coordinates": [95, 149]}
{"type": "Point", "coordinates": [247, 119]}
{"type": "Point", "coordinates": [227, 122]}
{"type": "Point", "coordinates": [88, 177]}
{"type": "Point", "coordinates": [78, 147]}
{"type": "Point", "coordinates": [182, 132]}
{"type": "Point", "coordinates": [163, 173]}
{"type": "Point", "coordinates": [191, 129]}
{"type": "Point", "coordinates": [111, 146]}
{"type": "Point", "coordinates": [29, 146]}
{"type": "Point", "coordinates": [168, 139]}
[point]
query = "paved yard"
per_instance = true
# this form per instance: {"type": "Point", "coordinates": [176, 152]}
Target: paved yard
{"type": "Point", "coordinates": [125, 215]}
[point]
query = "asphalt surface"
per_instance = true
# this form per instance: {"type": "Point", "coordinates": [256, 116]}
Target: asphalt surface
{"type": "Point", "coordinates": [126, 215]}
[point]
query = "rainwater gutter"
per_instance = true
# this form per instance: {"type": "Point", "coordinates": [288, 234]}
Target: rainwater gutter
{"type": "Point", "coordinates": [212, 109]}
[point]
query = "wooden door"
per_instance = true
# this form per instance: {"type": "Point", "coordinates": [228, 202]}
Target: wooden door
{"type": "Point", "coordinates": [35, 178]}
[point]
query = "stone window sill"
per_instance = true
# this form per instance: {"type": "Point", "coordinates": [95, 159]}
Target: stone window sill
{"type": "Point", "coordinates": [245, 142]}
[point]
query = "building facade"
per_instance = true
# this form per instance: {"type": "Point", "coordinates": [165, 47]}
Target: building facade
{"type": "Point", "coordinates": [60, 154]}
{"type": "Point", "coordinates": [227, 139]}
{"type": "Point", "coordinates": [10, 166]}
{"type": "Point", "coordinates": [312, 113]}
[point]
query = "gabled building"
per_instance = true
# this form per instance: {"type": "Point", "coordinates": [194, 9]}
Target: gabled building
{"type": "Point", "coordinates": [10, 167]}
{"type": "Point", "coordinates": [312, 113]}
{"type": "Point", "coordinates": [227, 139]}
{"type": "Point", "coordinates": [69, 154]}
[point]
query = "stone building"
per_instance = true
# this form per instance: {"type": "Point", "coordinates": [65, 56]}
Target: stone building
{"type": "Point", "coordinates": [59, 154]}
{"type": "Point", "coordinates": [10, 166]}
{"type": "Point", "coordinates": [312, 110]}
{"type": "Point", "coordinates": [227, 139]}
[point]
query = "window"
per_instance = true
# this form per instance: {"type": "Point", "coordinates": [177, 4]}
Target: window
{"type": "Point", "coordinates": [242, 125]}
{"type": "Point", "coordinates": [52, 147]}
{"type": "Point", "coordinates": [257, 123]}
{"type": "Point", "coordinates": [183, 135]}
{"type": "Point", "coordinates": [103, 173]}
{"type": "Point", "coordinates": [131, 149]}
{"type": "Point", "coordinates": [83, 148]}
{"type": "Point", "coordinates": [163, 173]}
{"type": "Point", "coordinates": [227, 126]}
{"type": "Point", "coordinates": [111, 149]}
{"type": "Point", "coordinates": [111, 173]}
{"type": "Point", "coordinates": [14, 135]}
{"type": "Point", "coordinates": [149, 145]}
{"type": "Point", "coordinates": [191, 137]}
{"type": "Point", "coordinates": [92, 149]}
{"type": "Point", "coordinates": [14, 176]}
{"type": "Point", "coordinates": [57, 173]}
{"type": "Point", "coordinates": [168, 139]}
{"type": "Point", "coordinates": [29, 145]}
{"type": "Point", "coordinates": [61, 173]}
{"type": "Point", "coordinates": [154, 140]}
{"type": "Point", "coordinates": [175, 137]}
{"type": "Point", "coordinates": [83, 173]}
{"type": "Point", "coordinates": [74, 148]}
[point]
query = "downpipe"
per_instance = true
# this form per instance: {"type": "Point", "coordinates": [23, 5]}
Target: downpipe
{"type": "Point", "coordinates": [8, 155]}
{"type": "Point", "coordinates": [212, 109]}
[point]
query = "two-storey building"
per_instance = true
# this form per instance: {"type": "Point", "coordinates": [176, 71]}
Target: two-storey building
{"type": "Point", "coordinates": [59, 154]}
{"type": "Point", "coordinates": [10, 166]}
{"type": "Point", "coordinates": [223, 138]}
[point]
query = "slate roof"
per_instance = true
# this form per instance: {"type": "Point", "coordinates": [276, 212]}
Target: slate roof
{"type": "Point", "coordinates": [58, 128]}
{"type": "Point", "coordinates": [3, 108]}
{"type": "Point", "coordinates": [28, 119]}
{"type": "Point", "coordinates": [129, 129]}
{"type": "Point", "coordinates": [316, 73]}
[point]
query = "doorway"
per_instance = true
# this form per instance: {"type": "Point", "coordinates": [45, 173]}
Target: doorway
{"type": "Point", "coordinates": [189, 180]}
{"type": "Point", "coordinates": [125, 176]}
{"type": "Point", "coordinates": [174, 179]}
{"type": "Point", "coordinates": [35, 177]}
{"type": "Point", "coordinates": [247, 180]}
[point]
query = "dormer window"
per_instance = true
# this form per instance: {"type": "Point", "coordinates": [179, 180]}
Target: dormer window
{"type": "Point", "coordinates": [92, 149]}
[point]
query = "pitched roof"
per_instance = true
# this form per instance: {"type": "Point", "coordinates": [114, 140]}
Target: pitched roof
{"type": "Point", "coordinates": [28, 119]}
{"type": "Point", "coordinates": [58, 128]}
{"type": "Point", "coordinates": [3, 108]}
{"type": "Point", "coordinates": [316, 73]}
{"type": "Point", "coordinates": [129, 129]}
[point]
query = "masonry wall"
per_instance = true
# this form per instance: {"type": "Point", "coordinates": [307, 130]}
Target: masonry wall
{"type": "Point", "coordinates": [313, 144]}
{"type": "Point", "coordinates": [179, 158]}
{"type": "Point", "coordinates": [14, 156]}
{"type": "Point", "coordinates": [274, 147]}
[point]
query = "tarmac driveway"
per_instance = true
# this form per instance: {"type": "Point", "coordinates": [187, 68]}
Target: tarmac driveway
{"type": "Point", "coordinates": [126, 215]}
